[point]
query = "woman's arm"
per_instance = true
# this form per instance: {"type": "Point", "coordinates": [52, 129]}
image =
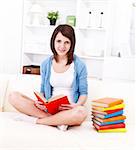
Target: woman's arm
{"type": "Point", "coordinates": [82, 99]}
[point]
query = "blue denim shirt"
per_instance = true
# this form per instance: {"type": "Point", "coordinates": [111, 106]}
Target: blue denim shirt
{"type": "Point", "coordinates": [79, 85]}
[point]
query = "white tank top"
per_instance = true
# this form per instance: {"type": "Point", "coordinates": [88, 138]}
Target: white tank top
{"type": "Point", "coordinates": [62, 82]}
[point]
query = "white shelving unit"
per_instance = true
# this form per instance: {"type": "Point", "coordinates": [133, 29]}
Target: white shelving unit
{"type": "Point", "coordinates": [36, 34]}
{"type": "Point", "coordinates": [93, 31]}
{"type": "Point", "coordinates": [36, 28]}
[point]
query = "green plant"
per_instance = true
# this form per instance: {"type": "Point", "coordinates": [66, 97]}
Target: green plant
{"type": "Point", "coordinates": [53, 15]}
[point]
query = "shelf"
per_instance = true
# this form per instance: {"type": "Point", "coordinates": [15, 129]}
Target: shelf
{"type": "Point", "coordinates": [37, 53]}
{"type": "Point", "coordinates": [88, 2]}
{"type": "Point", "coordinates": [41, 26]}
{"type": "Point", "coordinates": [81, 56]}
{"type": "Point", "coordinates": [92, 28]}
{"type": "Point", "coordinates": [36, 26]}
{"type": "Point", "coordinates": [119, 58]}
{"type": "Point", "coordinates": [91, 57]}
{"type": "Point", "coordinates": [49, 27]}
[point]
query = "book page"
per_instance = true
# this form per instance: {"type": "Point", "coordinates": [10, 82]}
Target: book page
{"type": "Point", "coordinates": [55, 97]}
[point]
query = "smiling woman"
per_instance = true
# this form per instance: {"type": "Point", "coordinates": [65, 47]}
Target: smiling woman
{"type": "Point", "coordinates": [62, 73]}
{"type": "Point", "coordinates": [67, 34]}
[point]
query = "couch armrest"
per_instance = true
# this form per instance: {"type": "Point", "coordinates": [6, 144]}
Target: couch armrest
{"type": "Point", "coordinates": [1, 109]}
{"type": "Point", "coordinates": [3, 89]}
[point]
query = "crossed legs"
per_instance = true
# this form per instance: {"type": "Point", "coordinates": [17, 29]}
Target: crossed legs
{"type": "Point", "coordinates": [26, 105]}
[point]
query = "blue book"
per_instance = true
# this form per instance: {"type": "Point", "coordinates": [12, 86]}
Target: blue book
{"type": "Point", "coordinates": [107, 123]}
{"type": "Point", "coordinates": [108, 115]}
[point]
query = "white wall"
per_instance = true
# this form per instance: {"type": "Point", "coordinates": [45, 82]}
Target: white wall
{"type": "Point", "coordinates": [11, 32]}
{"type": "Point", "coordinates": [123, 28]}
{"type": "Point", "coordinates": [10, 35]}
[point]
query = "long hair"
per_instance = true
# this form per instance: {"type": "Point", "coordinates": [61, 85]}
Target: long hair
{"type": "Point", "coordinates": [67, 31]}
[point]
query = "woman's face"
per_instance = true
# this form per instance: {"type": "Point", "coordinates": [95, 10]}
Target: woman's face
{"type": "Point", "coordinates": [62, 44]}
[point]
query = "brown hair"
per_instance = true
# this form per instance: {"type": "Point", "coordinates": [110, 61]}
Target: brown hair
{"type": "Point", "coordinates": [67, 31]}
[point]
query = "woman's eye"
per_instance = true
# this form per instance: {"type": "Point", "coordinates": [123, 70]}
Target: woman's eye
{"type": "Point", "coordinates": [67, 42]}
{"type": "Point", "coordinates": [58, 41]}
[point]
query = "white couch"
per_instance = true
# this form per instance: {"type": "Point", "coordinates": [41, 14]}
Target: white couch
{"type": "Point", "coordinates": [22, 135]}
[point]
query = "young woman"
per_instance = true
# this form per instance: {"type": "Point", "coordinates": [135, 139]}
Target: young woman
{"type": "Point", "coordinates": [61, 73]}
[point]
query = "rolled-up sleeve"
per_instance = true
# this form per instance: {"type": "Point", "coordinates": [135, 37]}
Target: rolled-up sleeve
{"type": "Point", "coordinates": [42, 71]}
{"type": "Point", "coordinates": [83, 84]}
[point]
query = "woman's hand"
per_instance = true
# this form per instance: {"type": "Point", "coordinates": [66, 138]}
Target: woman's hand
{"type": "Point", "coordinates": [68, 106]}
{"type": "Point", "coordinates": [40, 105]}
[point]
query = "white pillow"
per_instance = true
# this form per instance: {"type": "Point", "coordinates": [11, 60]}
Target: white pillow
{"type": "Point", "coordinates": [25, 84]}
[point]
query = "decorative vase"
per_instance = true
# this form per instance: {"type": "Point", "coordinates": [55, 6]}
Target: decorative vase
{"type": "Point", "coordinates": [53, 22]}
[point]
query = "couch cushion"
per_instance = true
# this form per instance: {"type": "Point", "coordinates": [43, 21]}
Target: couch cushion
{"type": "Point", "coordinates": [23, 135]}
{"type": "Point", "coordinates": [25, 84]}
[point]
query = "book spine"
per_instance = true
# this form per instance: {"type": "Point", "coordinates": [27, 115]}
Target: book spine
{"type": "Point", "coordinates": [107, 123]}
{"type": "Point", "coordinates": [112, 122]}
{"type": "Point", "coordinates": [109, 115]}
{"type": "Point", "coordinates": [115, 107]}
{"type": "Point", "coordinates": [106, 112]}
{"type": "Point", "coordinates": [112, 126]}
{"type": "Point", "coordinates": [120, 106]}
{"type": "Point", "coordinates": [112, 111]}
{"type": "Point", "coordinates": [114, 114]}
{"type": "Point", "coordinates": [112, 130]}
{"type": "Point", "coordinates": [121, 117]}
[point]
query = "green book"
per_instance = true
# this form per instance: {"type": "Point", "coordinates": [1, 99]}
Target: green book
{"type": "Point", "coordinates": [71, 20]}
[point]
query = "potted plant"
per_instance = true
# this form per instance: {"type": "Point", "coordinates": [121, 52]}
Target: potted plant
{"type": "Point", "coordinates": [53, 16]}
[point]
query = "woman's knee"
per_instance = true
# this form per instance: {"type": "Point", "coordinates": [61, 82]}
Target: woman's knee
{"type": "Point", "coordinates": [13, 96]}
{"type": "Point", "coordinates": [80, 113]}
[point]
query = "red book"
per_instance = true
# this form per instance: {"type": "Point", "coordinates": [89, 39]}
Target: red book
{"type": "Point", "coordinates": [106, 112]}
{"type": "Point", "coordinates": [111, 126]}
{"type": "Point", "coordinates": [52, 105]}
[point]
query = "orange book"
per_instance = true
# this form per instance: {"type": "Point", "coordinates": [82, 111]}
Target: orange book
{"type": "Point", "coordinates": [111, 126]}
{"type": "Point", "coordinates": [107, 102]}
{"type": "Point", "coordinates": [52, 105]}
{"type": "Point", "coordinates": [121, 117]}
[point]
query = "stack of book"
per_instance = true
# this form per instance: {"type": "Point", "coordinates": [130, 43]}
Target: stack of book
{"type": "Point", "coordinates": [108, 115]}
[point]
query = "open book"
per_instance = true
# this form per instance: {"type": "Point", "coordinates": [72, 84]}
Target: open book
{"type": "Point", "coordinates": [52, 105]}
